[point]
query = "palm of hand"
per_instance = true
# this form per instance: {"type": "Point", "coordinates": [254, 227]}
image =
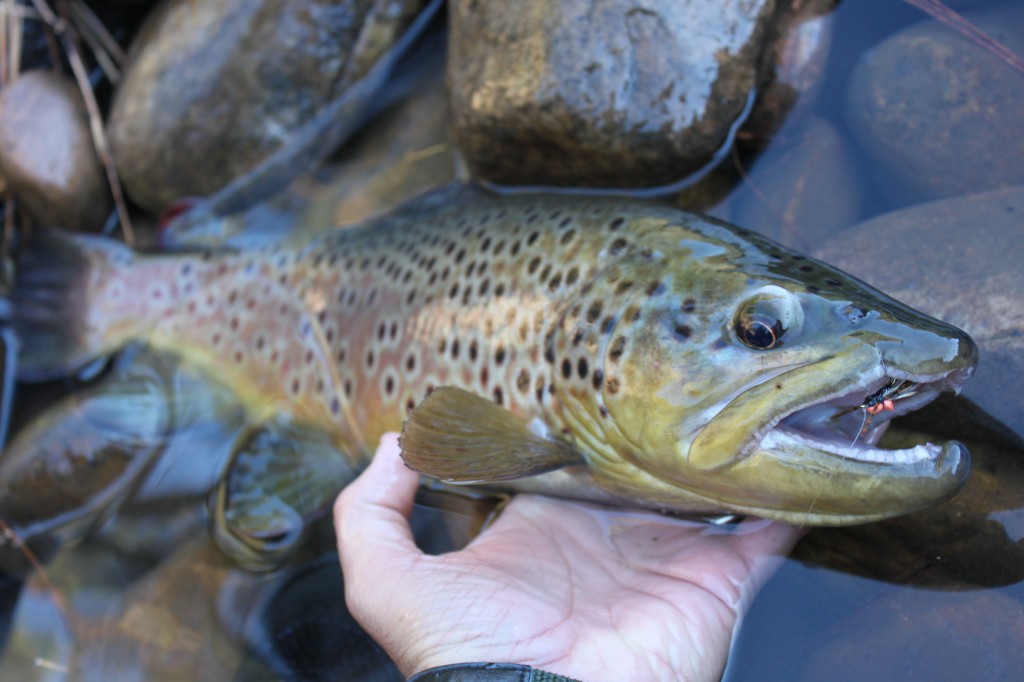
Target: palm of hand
{"type": "Point", "coordinates": [586, 592]}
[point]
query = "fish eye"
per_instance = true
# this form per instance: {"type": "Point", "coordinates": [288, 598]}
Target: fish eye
{"type": "Point", "coordinates": [764, 318]}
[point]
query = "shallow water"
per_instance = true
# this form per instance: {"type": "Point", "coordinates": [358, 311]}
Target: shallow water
{"type": "Point", "coordinates": [936, 595]}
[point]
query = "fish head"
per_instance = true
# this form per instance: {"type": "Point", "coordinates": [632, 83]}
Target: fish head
{"type": "Point", "coordinates": [743, 375]}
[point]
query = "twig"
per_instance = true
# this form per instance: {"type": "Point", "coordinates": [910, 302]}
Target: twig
{"type": "Point", "coordinates": [99, 137]}
{"type": "Point", "coordinates": [87, 19]}
{"type": "Point", "coordinates": [5, 19]}
{"type": "Point", "coordinates": [58, 598]}
{"type": "Point", "coordinates": [941, 12]}
{"type": "Point", "coordinates": [104, 48]}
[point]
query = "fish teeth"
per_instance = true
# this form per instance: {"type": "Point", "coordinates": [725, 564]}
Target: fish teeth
{"type": "Point", "coordinates": [778, 439]}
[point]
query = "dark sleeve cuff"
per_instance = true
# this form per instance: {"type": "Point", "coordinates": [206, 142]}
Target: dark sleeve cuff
{"type": "Point", "coordinates": [487, 672]}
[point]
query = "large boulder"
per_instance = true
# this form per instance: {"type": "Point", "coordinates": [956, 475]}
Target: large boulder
{"type": "Point", "coordinates": [941, 112]}
{"type": "Point", "coordinates": [215, 86]}
{"type": "Point", "coordinates": [617, 93]}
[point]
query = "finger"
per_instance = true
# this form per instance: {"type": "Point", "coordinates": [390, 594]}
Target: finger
{"type": "Point", "coordinates": [371, 514]}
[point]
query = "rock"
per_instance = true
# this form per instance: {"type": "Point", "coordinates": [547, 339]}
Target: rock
{"type": "Point", "coordinates": [47, 154]}
{"type": "Point", "coordinates": [803, 190]}
{"type": "Point", "coordinates": [958, 260]}
{"type": "Point", "coordinates": [940, 112]}
{"type": "Point", "coordinates": [214, 86]}
{"type": "Point", "coordinates": [619, 93]}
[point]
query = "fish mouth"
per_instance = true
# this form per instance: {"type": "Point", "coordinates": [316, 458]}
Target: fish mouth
{"type": "Point", "coordinates": [849, 425]}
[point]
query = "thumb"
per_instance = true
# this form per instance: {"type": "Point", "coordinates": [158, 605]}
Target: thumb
{"type": "Point", "coordinates": [371, 515]}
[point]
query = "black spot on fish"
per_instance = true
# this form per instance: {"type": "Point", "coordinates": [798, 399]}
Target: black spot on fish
{"type": "Point", "coordinates": [534, 264]}
{"type": "Point", "coordinates": [834, 282]}
{"type": "Point", "coordinates": [572, 276]}
{"type": "Point", "coordinates": [617, 348]}
{"type": "Point", "coordinates": [455, 349]}
{"type": "Point", "coordinates": [682, 332]}
{"type": "Point", "coordinates": [617, 246]}
{"type": "Point", "coordinates": [568, 237]}
{"type": "Point", "coordinates": [498, 395]}
{"type": "Point", "coordinates": [566, 368]}
{"type": "Point", "coordinates": [581, 368]}
{"type": "Point", "coordinates": [656, 288]}
{"type": "Point", "coordinates": [607, 324]}
{"type": "Point", "coordinates": [532, 239]}
{"type": "Point", "coordinates": [473, 351]}
{"type": "Point", "coordinates": [523, 381]}
{"type": "Point", "coordinates": [594, 311]}
{"type": "Point", "coordinates": [389, 385]}
{"type": "Point", "coordinates": [616, 224]}
{"type": "Point", "coordinates": [597, 379]}
{"type": "Point", "coordinates": [499, 355]}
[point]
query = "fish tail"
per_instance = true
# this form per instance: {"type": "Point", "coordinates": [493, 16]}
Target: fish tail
{"type": "Point", "coordinates": [51, 299]}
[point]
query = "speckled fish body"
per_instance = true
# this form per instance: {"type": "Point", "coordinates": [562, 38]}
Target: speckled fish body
{"type": "Point", "coordinates": [632, 334]}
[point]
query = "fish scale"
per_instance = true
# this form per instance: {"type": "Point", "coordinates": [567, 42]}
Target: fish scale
{"type": "Point", "coordinates": [596, 348]}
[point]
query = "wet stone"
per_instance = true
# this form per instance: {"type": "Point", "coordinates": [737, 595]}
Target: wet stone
{"type": "Point", "coordinates": [214, 86]}
{"type": "Point", "coordinates": [803, 190]}
{"type": "Point", "coordinates": [940, 112]}
{"type": "Point", "coordinates": [610, 94]}
{"type": "Point", "coordinates": [47, 155]}
{"type": "Point", "coordinates": [958, 260]}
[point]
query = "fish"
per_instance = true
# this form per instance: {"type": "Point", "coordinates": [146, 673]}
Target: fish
{"type": "Point", "coordinates": [603, 349]}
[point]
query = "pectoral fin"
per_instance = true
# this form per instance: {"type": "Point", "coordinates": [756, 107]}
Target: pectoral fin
{"type": "Point", "coordinates": [281, 475]}
{"type": "Point", "coordinates": [460, 437]}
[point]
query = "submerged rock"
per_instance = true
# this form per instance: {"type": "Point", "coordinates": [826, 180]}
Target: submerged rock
{"type": "Point", "coordinates": [941, 112]}
{"type": "Point", "coordinates": [958, 260]}
{"type": "Point", "coordinates": [618, 93]}
{"type": "Point", "coordinates": [214, 86]}
{"type": "Point", "coordinates": [47, 153]}
{"type": "Point", "coordinates": [803, 190]}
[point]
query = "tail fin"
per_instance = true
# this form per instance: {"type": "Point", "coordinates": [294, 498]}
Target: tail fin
{"type": "Point", "coordinates": [50, 300]}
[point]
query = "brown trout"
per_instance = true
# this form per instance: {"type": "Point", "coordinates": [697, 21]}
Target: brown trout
{"type": "Point", "coordinates": [601, 349]}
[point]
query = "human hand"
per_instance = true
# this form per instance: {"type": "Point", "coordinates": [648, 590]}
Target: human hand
{"type": "Point", "coordinates": [567, 587]}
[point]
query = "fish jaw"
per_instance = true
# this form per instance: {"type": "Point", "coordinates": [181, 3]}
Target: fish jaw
{"type": "Point", "coordinates": [801, 445]}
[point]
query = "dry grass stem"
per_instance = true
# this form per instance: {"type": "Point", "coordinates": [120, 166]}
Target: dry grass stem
{"type": "Point", "coordinates": [99, 135]}
{"type": "Point", "coordinates": [55, 594]}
